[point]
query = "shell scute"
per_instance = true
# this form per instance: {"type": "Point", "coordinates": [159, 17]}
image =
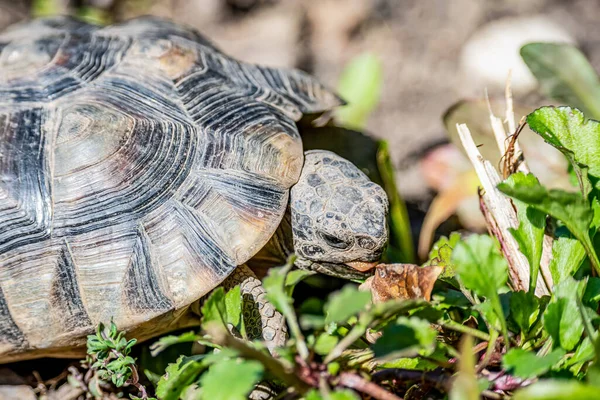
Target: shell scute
{"type": "Point", "coordinates": [138, 167]}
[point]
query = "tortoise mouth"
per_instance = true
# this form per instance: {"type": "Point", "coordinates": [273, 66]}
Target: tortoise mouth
{"type": "Point", "coordinates": [344, 270]}
{"type": "Point", "coordinates": [362, 266]}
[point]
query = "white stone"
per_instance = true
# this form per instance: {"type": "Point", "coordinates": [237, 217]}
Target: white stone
{"type": "Point", "coordinates": [493, 50]}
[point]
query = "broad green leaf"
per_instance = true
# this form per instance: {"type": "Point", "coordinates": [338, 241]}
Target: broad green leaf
{"type": "Point", "coordinates": [178, 376]}
{"type": "Point", "coordinates": [344, 304]}
{"type": "Point", "coordinates": [404, 337]}
{"type": "Point", "coordinates": [230, 379]}
{"type": "Point", "coordinates": [530, 233]}
{"type": "Point", "coordinates": [567, 255]}
{"type": "Point", "coordinates": [524, 309]}
{"type": "Point", "coordinates": [571, 208]}
{"type": "Point", "coordinates": [558, 390]}
{"type": "Point", "coordinates": [564, 74]}
{"type": "Point", "coordinates": [360, 86]}
{"type": "Point", "coordinates": [526, 364]}
{"type": "Point", "coordinates": [561, 319]}
{"type": "Point", "coordinates": [480, 265]}
{"type": "Point", "coordinates": [482, 269]}
{"type": "Point", "coordinates": [569, 131]}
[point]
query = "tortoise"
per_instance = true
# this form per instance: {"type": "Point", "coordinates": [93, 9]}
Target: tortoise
{"type": "Point", "coordinates": [140, 167]}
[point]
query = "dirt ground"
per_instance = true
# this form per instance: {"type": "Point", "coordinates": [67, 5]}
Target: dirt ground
{"type": "Point", "coordinates": [418, 41]}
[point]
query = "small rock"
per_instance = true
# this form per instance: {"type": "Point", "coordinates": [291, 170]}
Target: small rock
{"type": "Point", "coordinates": [494, 49]}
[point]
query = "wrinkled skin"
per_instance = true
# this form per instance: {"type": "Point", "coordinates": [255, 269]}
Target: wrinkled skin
{"type": "Point", "coordinates": [338, 217]}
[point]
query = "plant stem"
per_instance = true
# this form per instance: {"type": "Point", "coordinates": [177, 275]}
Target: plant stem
{"type": "Point", "coordinates": [354, 381]}
{"type": "Point", "coordinates": [440, 380]}
{"type": "Point", "coordinates": [274, 366]}
{"type": "Point", "coordinates": [455, 326]}
{"type": "Point", "coordinates": [355, 333]}
{"type": "Point", "coordinates": [489, 351]}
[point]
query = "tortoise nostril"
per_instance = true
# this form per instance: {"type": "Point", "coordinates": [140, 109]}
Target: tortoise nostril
{"type": "Point", "coordinates": [366, 243]}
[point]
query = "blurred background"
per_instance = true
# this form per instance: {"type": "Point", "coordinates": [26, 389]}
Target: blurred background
{"type": "Point", "coordinates": [429, 54]}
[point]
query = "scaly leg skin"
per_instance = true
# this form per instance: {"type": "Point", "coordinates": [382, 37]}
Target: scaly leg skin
{"type": "Point", "coordinates": [261, 319]}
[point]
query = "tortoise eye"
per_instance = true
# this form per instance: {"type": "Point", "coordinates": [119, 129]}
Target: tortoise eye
{"type": "Point", "coordinates": [334, 241]}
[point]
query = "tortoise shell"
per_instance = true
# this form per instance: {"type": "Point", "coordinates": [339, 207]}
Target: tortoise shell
{"type": "Point", "coordinates": [139, 166]}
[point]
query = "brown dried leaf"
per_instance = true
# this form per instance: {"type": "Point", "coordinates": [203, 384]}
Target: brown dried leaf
{"type": "Point", "coordinates": [402, 281]}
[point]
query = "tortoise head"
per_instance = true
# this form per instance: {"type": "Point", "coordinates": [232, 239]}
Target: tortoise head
{"type": "Point", "coordinates": [338, 217]}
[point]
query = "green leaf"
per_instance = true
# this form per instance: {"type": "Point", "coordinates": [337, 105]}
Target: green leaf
{"type": "Point", "coordinates": [480, 265]}
{"type": "Point", "coordinates": [233, 309]}
{"type": "Point", "coordinates": [567, 255]}
{"type": "Point", "coordinates": [564, 74]}
{"type": "Point", "coordinates": [325, 342]}
{"type": "Point", "coordinates": [526, 364]}
{"type": "Point", "coordinates": [482, 269]}
{"type": "Point", "coordinates": [561, 319]}
{"type": "Point", "coordinates": [169, 340]}
{"type": "Point", "coordinates": [591, 296]}
{"type": "Point", "coordinates": [296, 276]}
{"type": "Point", "coordinates": [571, 208]}
{"type": "Point", "coordinates": [404, 337]}
{"type": "Point", "coordinates": [280, 296]}
{"type": "Point", "coordinates": [530, 233]}
{"type": "Point", "coordinates": [558, 390]}
{"type": "Point", "coordinates": [230, 379]}
{"type": "Point", "coordinates": [569, 131]}
{"type": "Point", "coordinates": [343, 394]}
{"type": "Point", "coordinates": [524, 309]}
{"type": "Point", "coordinates": [360, 86]}
{"type": "Point", "coordinates": [45, 8]}
{"type": "Point", "coordinates": [178, 376]}
{"type": "Point", "coordinates": [584, 353]}
{"type": "Point", "coordinates": [213, 308]}
{"type": "Point", "coordinates": [344, 304]}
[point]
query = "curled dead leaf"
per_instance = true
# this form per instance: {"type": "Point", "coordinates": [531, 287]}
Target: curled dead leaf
{"type": "Point", "coordinates": [402, 281]}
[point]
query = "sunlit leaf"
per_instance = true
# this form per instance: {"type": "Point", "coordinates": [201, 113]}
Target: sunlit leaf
{"type": "Point", "coordinates": [230, 379]}
{"type": "Point", "coordinates": [564, 74]}
{"type": "Point", "coordinates": [526, 364]}
{"type": "Point", "coordinates": [360, 86]}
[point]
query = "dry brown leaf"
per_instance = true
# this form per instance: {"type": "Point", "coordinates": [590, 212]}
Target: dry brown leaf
{"type": "Point", "coordinates": [402, 281]}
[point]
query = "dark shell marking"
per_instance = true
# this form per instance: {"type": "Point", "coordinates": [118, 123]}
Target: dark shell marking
{"type": "Point", "coordinates": [138, 167]}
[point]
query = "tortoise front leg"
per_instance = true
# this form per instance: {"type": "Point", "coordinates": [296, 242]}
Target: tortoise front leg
{"type": "Point", "coordinates": [261, 319]}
